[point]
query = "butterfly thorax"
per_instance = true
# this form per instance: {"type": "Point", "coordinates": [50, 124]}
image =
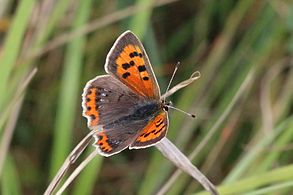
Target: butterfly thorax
{"type": "Point", "coordinates": [145, 111]}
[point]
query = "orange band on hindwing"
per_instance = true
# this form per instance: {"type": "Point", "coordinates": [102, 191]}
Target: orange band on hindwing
{"type": "Point", "coordinates": [153, 132]}
{"type": "Point", "coordinates": [103, 143]}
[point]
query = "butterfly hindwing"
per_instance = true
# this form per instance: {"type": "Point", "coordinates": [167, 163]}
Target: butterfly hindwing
{"type": "Point", "coordinates": [153, 132]}
{"type": "Point", "coordinates": [116, 135]}
{"type": "Point", "coordinates": [128, 61]}
{"type": "Point", "coordinates": [112, 140]}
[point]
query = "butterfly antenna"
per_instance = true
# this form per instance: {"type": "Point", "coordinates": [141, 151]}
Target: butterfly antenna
{"type": "Point", "coordinates": [187, 113]}
{"type": "Point", "coordinates": [174, 72]}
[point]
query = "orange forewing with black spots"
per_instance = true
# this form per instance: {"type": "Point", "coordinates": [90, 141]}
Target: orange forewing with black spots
{"type": "Point", "coordinates": [90, 106]}
{"type": "Point", "coordinates": [153, 132]}
{"type": "Point", "coordinates": [128, 62]}
{"type": "Point", "coordinates": [131, 68]}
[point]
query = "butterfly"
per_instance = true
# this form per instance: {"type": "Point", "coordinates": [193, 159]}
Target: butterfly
{"type": "Point", "coordinates": [124, 109]}
{"type": "Point", "coordinates": [125, 106]}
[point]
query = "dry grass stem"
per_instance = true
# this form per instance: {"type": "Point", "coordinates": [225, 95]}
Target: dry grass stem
{"type": "Point", "coordinates": [171, 152]}
{"type": "Point", "coordinates": [76, 152]}
{"type": "Point", "coordinates": [194, 76]}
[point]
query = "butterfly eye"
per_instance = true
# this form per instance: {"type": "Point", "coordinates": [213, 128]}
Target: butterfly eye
{"type": "Point", "coordinates": [165, 103]}
{"type": "Point", "coordinates": [166, 108]}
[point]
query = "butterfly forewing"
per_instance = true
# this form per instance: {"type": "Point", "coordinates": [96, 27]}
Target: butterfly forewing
{"type": "Point", "coordinates": [129, 62]}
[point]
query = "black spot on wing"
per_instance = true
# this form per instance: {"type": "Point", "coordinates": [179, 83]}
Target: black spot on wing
{"type": "Point", "coordinates": [125, 75]}
{"type": "Point", "coordinates": [141, 68]}
{"type": "Point", "coordinates": [125, 66]}
{"type": "Point", "coordinates": [93, 117]}
{"type": "Point", "coordinates": [133, 54]}
{"type": "Point", "coordinates": [131, 63]}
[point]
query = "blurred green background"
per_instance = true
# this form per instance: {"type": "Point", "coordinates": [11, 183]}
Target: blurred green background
{"type": "Point", "coordinates": [242, 136]}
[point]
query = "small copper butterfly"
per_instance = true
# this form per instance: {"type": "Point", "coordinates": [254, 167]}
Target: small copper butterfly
{"type": "Point", "coordinates": [124, 109]}
{"type": "Point", "coordinates": [125, 106]}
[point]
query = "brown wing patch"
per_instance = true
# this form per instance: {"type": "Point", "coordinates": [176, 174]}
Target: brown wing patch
{"type": "Point", "coordinates": [91, 106]}
{"type": "Point", "coordinates": [131, 68]}
{"type": "Point", "coordinates": [153, 132]}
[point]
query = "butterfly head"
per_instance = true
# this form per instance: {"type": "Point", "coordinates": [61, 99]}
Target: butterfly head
{"type": "Point", "coordinates": [166, 104]}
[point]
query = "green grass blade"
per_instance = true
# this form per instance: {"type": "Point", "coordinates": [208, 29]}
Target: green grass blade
{"type": "Point", "coordinates": [283, 174]}
{"type": "Point", "coordinates": [140, 21]}
{"type": "Point", "coordinates": [275, 189]}
{"type": "Point", "coordinates": [57, 13]}
{"type": "Point", "coordinates": [252, 155]}
{"type": "Point", "coordinates": [10, 183]}
{"type": "Point", "coordinates": [13, 43]}
{"type": "Point", "coordinates": [85, 182]}
{"type": "Point", "coordinates": [69, 92]}
{"type": "Point", "coordinates": [283, 140]}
